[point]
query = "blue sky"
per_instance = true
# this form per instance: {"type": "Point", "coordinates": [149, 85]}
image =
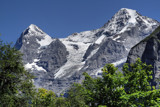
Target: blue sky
{"type": "Point", "coordinates": [60, 18]}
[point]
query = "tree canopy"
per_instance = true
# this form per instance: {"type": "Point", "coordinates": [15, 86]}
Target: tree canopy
{"type": "Point", "coordinates": [117, 89]}
{"type": "Point", "coordinates": [16, 84]}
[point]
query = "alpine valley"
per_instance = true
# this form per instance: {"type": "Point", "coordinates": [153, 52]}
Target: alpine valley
{"type": "Point", "coordinates": [58, 63]}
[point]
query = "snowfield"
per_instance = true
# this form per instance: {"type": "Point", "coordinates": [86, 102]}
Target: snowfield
{"type": "Point", "coordinates": [74, 58]}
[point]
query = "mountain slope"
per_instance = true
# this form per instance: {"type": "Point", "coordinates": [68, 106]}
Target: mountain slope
{"type": "Point", "coordinates": [127, 27]}
{"type": "Point", "coordinates": [58, 63]}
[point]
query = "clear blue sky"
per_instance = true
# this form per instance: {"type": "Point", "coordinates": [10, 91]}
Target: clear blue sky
{"type": "Point", "coordinates": [60, 18]}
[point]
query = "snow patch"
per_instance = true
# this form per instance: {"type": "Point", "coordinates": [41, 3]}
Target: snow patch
{"type": "Point", "coordinates": [92, 53]}
{"type": "Point", "coordinates": [116, 38]}
{"type": "Point", "coordinates": [119, 62]}
{"type": "Point", "coordinates": [124, 29]}
{"type": "Point", "coordinates": [99, 72]}
{"type": "Point", "coordinates": [34, 28]}
{"type": "Point", "coordinates": [119, 41]}
{"type": "Point", "coordinates": [45, 41]}
{"type": "Point", "coordinates": [36, 60]}
{"type": "Point", "coordinates": [100, 39]}
{"type": "Point", "coordinates": [133, 15]}
{"type": "Point", "coordinates": [33, 66]}
{"type": "Point", "coordinates": [86, 36]}
{"type": "Point", "coordinates": [131, 22]}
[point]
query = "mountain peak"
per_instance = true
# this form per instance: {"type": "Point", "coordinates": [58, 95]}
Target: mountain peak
{"type": "Point", "coordinates": [32, 26]}
{"type": "Point", "coordinates": [126, 9]}
{"type": "Point", "coordinates": [122, 18]}
{"type": "Point", "coordinates": [132, 14]}
{"type": "Point", "coordinates": [35, 28]}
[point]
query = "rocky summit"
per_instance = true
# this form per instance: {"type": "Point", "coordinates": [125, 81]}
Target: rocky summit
{"type": "Point", "coordinates": [57, 63]}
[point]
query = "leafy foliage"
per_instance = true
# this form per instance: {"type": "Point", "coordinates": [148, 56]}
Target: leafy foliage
{"type": "Point", "coordinates": [138, 88]}
{"type": "Point", "coordinates": [16, 85]}
{"type": "Point", "coordinates": [43, 98]}
{"type": "Point", "coordinates": [139, 77]}
{"type": "Point", "coordinates": [77, 96]}
{"type": "Point", "coordinates": [47, 98]}
{"type": "Point", "coordinates": [116, 89]}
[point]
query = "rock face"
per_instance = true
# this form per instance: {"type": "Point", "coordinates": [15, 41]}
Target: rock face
{"type": "Point", "coordinates": [149, 51]}
{"type": "Point", "coordinates": [108, 52]}
{"type": "Point", "coordinates": [41, 53]}
{"type": "Point", "coordinates": [54, 56]}
{"type": "Point", "coordinates": [91, 48]}
{"type": "Point", "coordinates": [57, 63]}
{"type": "Point", "coordinates": [31, 43]}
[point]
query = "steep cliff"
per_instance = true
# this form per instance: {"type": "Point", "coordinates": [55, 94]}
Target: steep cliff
{"type": "Point", "coordinates": [149, 52]}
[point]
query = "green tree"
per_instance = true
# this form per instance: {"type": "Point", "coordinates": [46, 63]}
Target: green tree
{"type": "Point", "coordinates": [114, 82]}
{"type": "Point", "coordinates": [77, 96]}
{"type": "Point", "coordinates": [116, 89]}
{"type": "Point", "coordinates": [16, 86]}
{"type": "Point", "coordinates": [47, 98]}
{"type": "Point", "coordinates": [44, 98]}
{"type": "Point", "coordinates": [61, 102]}
{"type": "Point", "coordinates": [138, 88]}
{"type": "Point", "coordinates": [138, 75]}
{"type": "Point", "coordinates": [99, 91]}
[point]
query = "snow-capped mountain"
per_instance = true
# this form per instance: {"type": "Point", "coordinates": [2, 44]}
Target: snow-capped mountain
{"type": "Point", "coordinates": [31, 42]}
{"type": "Point", "coordinates": [58, 63]}
{"type": "Point", "coordinates": [125, 23]}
